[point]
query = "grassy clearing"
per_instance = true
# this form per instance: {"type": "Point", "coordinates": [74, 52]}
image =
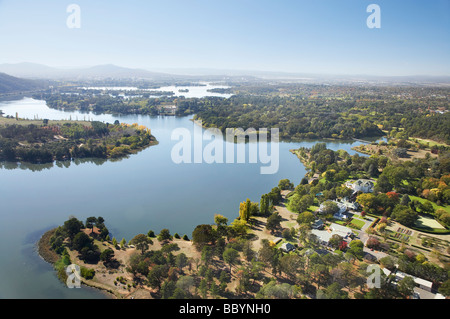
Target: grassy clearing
{"type": "Point", "coordinates": [313, 208]}
{"type": "Point", "coordinates": [436, 207]}
{"type": "Point", "coordinates": [430, 143]}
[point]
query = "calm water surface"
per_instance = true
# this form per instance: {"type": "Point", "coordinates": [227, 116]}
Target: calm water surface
{"type": "Point", "coordinates": [146, 191]}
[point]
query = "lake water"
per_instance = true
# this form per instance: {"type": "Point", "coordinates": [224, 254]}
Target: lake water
{"type": "Point", "coordinates": [192, 91]}
{"type": "Point", "coordinates": [146, 191]}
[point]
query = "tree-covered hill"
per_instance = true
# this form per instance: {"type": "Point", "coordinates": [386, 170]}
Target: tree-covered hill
{"type": "Point", "coordinates": [11, 84]}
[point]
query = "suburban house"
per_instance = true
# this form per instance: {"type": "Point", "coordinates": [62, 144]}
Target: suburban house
{"type": "Point", "coordinates": [361, 185]}
{"type": "Point", "coordinates": [350, 205]}
{"type": "Point", "coordinates": [342, 207]}
{"type": "Point", "coordinates": [287, 247]}
{"type": "Point", "coordinates": [324, 236]}
{"type": "Point", "coordinates": [341, 214]}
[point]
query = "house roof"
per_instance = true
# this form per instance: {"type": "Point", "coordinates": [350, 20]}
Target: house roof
{"type": "Point", "coordinates": [419, 281]}
{"type": "Point", "coordinates": [340, 230]}
{"type": "Point", "coordinates": [287, 246]}
{"type": "Point", "coordinates": [323, 235]}
{"type": "Point", "coordinates": [317, 223]}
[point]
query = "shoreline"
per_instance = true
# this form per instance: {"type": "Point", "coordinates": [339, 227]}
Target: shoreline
{"type": "Point", "coordinates": [44, 251]}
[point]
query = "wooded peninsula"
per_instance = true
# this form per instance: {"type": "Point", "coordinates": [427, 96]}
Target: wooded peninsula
{"type": "Point", "coordinates": [44, 141]}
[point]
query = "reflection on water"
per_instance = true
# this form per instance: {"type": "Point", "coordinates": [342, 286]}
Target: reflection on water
{"type": "Point", "coordinates": [61, 164]}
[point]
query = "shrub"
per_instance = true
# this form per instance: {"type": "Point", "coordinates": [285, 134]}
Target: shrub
{"type": "Point", "coordinates": [87, 273]}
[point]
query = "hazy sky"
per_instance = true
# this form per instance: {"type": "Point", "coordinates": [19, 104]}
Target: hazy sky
{"type": "Point", "coordinates": [320, 36]}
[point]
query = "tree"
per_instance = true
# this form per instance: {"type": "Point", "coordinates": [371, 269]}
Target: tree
{"type": "Point", "coordinates": [275, 196]}
{"type": "Point", "coordinates": [230, 256]}
{"type": "Point", "coordinates": [207, 254]}
{"type": "Point", "coordinates": [366, 201]}
{"type": "Point", "coordinates": [285, 184]}
{"type": "Point", "coordinates": [167, 289]}
{"type": "Point", "coordinates": [247, 250]}
{"type": "Point", "coordinates": [404, 215]}
{"type": "Point", "coordinates": [186, 283]}
{"type": "Point", "coordinates": [90, 223]}
{"type": "Point", "coordinates": [329, 208]}
{"type": "Point", "coordinates": [445, 288]}
{"type": "Point", "coordinates": [333, 291]}
{"type": "Point", "coordinates": [141, 242]}
{"type": "Point", "coordinates": [156, 275]}
{"type": "Point", "coordinates": [72, 227]}
{"type": "Point", "coordinates": [356, 248]}
{"type": "Point", "coordinates": [406, 286]}
{"type": "Point", "coordinates": [80, 241]}
{"type": "Point", "coordinates": [181, 261]}
{"type": "Point", "coordinates": [264, 204]}
{"type": "Point", "coordinates": [273, 222]}
{"type": "Point", "coordinates": [100, 222]}
{"type": "Point", "coordinates": [291, 265]}
{"type": "Point", "coordinates": [107, 255]}
{"type": "Point", "coordinates": [306, 218]}
{"type": "Point", "coordinates": [395, 175]}
{"type": "Point", "coordinates": [203, 288]}
{"type": "Point", "coordinates": [387, 262]}
{"type": "Point", "coordinates": [214, 290]}
{"type": "Point", "coordinates": [383, 185]}
{"type": "Point", "coordinates": [335, 241]}
{"type": "Point", "coordinates": [203, 235]}
{"type": "Point", "coordinates": [373, 242]}
{"type": "Point", "coordinates": [299, 203]}
{"type": "Point", "coordinates": [123, 243]}
{"type": "Point", "coordinates": [268, 254]}
{"type": "Point", "coordinates": [221, 222]}
{"type": "Point", "coordinates": [164, 235]}
{"type": "Point", "coordinates": [247, 209]}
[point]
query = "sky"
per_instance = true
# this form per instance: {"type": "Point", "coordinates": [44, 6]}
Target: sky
{"type": "Point", "coordinates": [321, 36]}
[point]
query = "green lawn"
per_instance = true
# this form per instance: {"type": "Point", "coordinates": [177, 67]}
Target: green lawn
{"type": "Point", "coordinates": [313, 208]}
{"type": "Point", "coordinates": [358, 223]}
{"type": "Point", "coordinates": [436, 207]}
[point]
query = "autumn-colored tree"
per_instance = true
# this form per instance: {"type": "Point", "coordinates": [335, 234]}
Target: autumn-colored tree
{"type": "Point", "coordinates": [366, 201]}
{"type": "Point", "coordinates": [247, 209]}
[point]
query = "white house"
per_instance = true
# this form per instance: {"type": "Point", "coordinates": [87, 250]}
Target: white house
{"type": "Point", "coordinates": [361, 185]}
{"type": "Point", "coordinates": [324, 236]}
{"type": "Point", "coordinates": [342, 207]}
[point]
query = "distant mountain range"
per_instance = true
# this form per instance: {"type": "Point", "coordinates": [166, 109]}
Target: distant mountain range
{"type": "Point", "coordinates": [39, 71]}
{"type": "Point", "coordinates": [110, 71]}
{"type": "Point", "coordinates": [11, 84]}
